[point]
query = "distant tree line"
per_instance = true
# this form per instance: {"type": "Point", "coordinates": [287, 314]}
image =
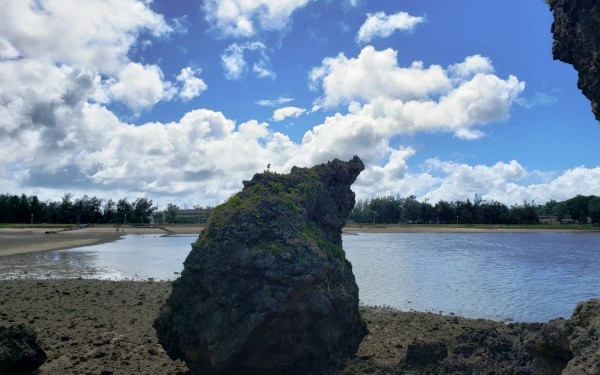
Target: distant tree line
{"type": "Point", "coordinates": [85, 210]}
{"type": "Point", "coordinates": [381, 210]}
{"type": "Point", "coordinates": [392, 210]}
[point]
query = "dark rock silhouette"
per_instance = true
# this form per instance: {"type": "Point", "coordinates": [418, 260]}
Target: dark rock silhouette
{"type": "Point", "coordinates": [19, 350]}
{"type": "Point", "coordinates": [266, 288]}
{"type": "Point", "coordinates": [568, 347]}
{"type": "Point", "coordinates": [576, 31]}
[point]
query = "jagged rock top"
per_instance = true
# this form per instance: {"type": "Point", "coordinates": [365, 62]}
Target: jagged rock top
{"type": "Point", "coordinates": [273, 207]}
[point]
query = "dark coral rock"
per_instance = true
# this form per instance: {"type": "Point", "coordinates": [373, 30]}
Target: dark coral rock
{"type": "Point", "coordinates": [568, 347]}
{"type": "Point", "coordinates": [266, 288]}
{"type": "Point", "coordinates": [576, 31]}
{"type": "Point", "coordinates": [19, 351]}
{"type": "Point", "coordinates": [426, 353]}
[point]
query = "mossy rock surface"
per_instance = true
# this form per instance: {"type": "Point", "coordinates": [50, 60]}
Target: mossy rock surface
{"type": "Point", "coordinates": [267, 287]}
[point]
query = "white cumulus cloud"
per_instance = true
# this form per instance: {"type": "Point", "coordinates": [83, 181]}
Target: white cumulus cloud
{"type": "Point", "coordinates": [385, 99]}
{"type": "Point", "coordinates": [141, 86]}
{"type": "Point", "coordinates": [375, 74]}
{"type": "Point", "coordinates": [281, 114]}
{"type": "Point", "coordinates": [245, 18]}
{"type": "Point", "coordinates": [234, 61]}
{"type": "Point", "coordinates": [92, 34]}
{"type": "Point", "coordinates": [192, 85]}
{"type": "Point", "coordinates": [381, 25]}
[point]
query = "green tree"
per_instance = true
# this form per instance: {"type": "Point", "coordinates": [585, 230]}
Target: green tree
{"type": "Point", "coordinates": [143, 208]}
{"type": "Point", "coordinates": [577, 207]}
{"type": "Point", "coordinates": [125, 211]}
{"type": "Point", "coordinates": [386, 210]}
{"type": "Point", "coordinates": [171, 213]}
{"type": "Point", "coordinates": [109, 211]}
{"type": "Point", "coordinates": [427, 212]}
{"type": "Point", "coordinates": [594, 209]}
{"type": "Point", "coordinates": [412, 209]}
{"type": "Point", "coordinates": [464, 211]}
{"type": "Point", "coordinates": [66, 209]}
{"type": "Point", "coordinates": [444, 212]}
{"type": "Point", "coordinates": [493, 213]}
{"type": "Point", "coordinates": [37, 209]}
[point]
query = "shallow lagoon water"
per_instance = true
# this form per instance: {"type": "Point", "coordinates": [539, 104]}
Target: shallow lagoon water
{"type": "Point", "coordinates": [519, 276]}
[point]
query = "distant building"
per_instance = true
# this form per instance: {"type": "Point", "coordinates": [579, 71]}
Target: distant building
{"type": "Point", "coordinates": [193, 215]}
{"type": "Point", "coordinates": [549, 219]}
{"type": "Point", "coordinates": [568, 220]}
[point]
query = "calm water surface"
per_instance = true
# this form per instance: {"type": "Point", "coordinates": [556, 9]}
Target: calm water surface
{"type": "Point", "coordinates": [520, 276]}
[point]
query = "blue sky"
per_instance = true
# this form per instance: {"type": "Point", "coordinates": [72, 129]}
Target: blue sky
{"type": "Point", "coordinates": [179, 101]}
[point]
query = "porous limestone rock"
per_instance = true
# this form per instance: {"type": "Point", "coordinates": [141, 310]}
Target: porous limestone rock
{"type": "Point", "coordinates": [576, 31]}
{"type": "Point", "coordinates": [266, 288]}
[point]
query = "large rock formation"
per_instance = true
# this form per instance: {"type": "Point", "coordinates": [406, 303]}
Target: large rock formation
{"type": "Point", "coordinates": [568, 347]}
{"type": "Point", "coordinates": [19, 351]}
{"type": "Point", "coordinates": [576, 31]}
{"type": "Point", "coordinates": [266, 288]}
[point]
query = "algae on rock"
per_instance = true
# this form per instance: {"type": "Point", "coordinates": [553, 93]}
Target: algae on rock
{"type": "Point", "coordinates": [267, 288]}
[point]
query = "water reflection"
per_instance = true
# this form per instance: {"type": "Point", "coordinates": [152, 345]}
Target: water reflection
{"type": "Point", "coordinates": [133, 257]}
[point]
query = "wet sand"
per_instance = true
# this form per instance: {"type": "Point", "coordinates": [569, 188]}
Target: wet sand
{"type": "Point", "coordinates": [26, 239]}
{"type": "Point", "coordinates": [23, 240]}
{"type": "Point", "coordinates": [105, 327]}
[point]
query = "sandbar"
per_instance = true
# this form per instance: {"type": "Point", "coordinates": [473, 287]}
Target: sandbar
{"type": "Point", "coordinates": [31, 239]}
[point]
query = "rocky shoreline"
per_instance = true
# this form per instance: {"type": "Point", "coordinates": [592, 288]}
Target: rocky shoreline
{"type": "Point", "coordinates": [105, 327]}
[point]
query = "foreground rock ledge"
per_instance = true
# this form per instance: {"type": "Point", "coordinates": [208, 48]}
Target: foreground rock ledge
{"type": "Point", "coordinates": [267, 289]}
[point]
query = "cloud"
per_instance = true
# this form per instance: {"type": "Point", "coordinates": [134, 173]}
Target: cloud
{"type": "Point", "coordinates": [140, 87]}
{"type": "Point", "coordinates": [234, 63]}
{"type": "Point", "coordinates": [385, 99]}
{"type": "Point", "coordinates": [7, 50]}
{"type": "Point", "coordinates": [245, 18]}
{"type": "Point", "coordinates": [506, 182]}
{"type": "Point", "coordinates": [539, 98]}
{"type": "Point", "coordinates": [64, 64]}
{"type": "Point", "coordinates": [374, 74]}
{"type": "Point", "coordinates": [471, 66]}
{"type": "Point", "coordinates": [89, 34]}
{"type": "Point", "coordinates": [274, 102]}
{"type": "Point", "coordinates": [380, 25]}
{"type": "Point", "coordinates": [285, 112]}
{"type": "Point", "coordinates": [192, 85]}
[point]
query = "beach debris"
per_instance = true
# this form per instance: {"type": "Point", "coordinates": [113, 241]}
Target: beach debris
{"type": "Point", "coordinates": [267, 288]}
{"type": "Point", "coordinates": [19, 351]}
